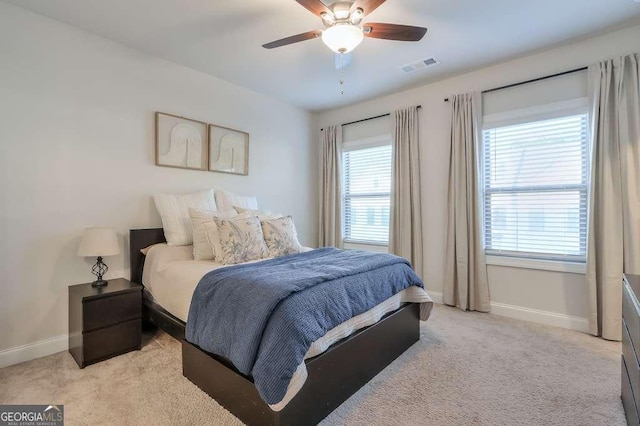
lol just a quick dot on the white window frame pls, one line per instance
(521, 116)
(355, 145)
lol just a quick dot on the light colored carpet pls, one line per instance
(467, 369)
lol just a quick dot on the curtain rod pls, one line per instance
(531, 81)
(370, 118)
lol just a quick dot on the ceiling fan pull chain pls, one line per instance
(342, 73)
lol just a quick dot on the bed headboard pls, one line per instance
(139, 239)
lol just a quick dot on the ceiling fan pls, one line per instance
(344, 29)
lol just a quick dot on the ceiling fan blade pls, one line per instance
(368, 5)
(293, 39)
(315, 6)
(393, 31)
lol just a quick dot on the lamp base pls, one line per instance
(99, 269)
(99, 283)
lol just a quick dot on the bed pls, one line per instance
(332, 376)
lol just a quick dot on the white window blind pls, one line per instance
(535, 177)
(366, 194)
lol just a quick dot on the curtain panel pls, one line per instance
(405, 220)
(330, 215)
(465, 277)
(613, 245)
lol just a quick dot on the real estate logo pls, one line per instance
(31, 415)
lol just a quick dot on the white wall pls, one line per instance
(561, 297)
(77, 150)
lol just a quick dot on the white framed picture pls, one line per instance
(181, 142)
(228, 150)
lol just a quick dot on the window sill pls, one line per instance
(380, 248)
(540, 264)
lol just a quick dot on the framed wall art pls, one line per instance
(181, 142)
(228, 150)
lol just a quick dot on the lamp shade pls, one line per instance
(342, 38)
(99, 242)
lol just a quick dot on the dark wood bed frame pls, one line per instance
(333, 376)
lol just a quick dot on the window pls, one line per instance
(535, 176)
(366, 188)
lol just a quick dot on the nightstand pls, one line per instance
(104, 321)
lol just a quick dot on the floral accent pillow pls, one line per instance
(281, 236)
(241, 240)
(213, 237)
(202, 249)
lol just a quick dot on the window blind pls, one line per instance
(535, 177)
(366, 194)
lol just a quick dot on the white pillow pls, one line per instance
(202, 250)
(240, 240)
(261, 214)
(281, 236)
(174, 212)
(226, 200)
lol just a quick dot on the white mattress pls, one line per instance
(171, 275)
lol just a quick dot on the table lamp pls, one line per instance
(99, 242)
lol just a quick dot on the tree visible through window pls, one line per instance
(366, 188)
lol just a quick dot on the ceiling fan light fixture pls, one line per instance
(342, 38)
(356, 16)
(327, 18)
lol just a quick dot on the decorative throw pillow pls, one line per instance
(281, 236)
(213, 236)
(174, 212)
(240, 240)
(202, 250)
(226, 200)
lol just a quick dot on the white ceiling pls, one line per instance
(224, 38)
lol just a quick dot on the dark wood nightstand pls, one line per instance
(105, 321)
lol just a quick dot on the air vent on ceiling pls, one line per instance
(420, 65)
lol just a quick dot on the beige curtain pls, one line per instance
(330, 219)
(465, 281)
(405, 222)
(614, 199)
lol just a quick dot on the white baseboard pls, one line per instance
(34, 350)
(542, 317)
(61, 343)
(435, 295)
(530, 314)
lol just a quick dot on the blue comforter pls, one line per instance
(264, 316)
